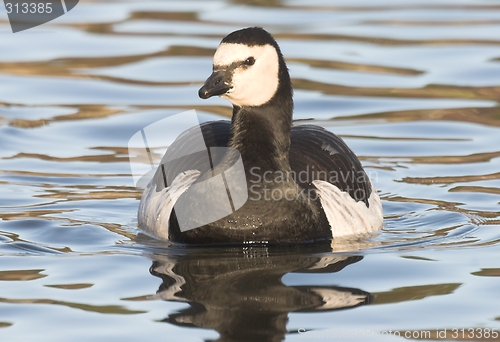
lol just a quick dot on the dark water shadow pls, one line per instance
(239, 291)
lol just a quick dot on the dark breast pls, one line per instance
(315, 154)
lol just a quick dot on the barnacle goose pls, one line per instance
(296, 184)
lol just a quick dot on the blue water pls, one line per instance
(412, 86)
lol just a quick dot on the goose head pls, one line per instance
(248, 70)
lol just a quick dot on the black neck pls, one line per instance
(262, 134)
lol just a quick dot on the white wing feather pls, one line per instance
(345, 215)
(155, 207)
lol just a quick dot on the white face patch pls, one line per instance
(252, 85)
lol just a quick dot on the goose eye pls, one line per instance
(249, 61)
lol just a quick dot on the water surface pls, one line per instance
(412, 86)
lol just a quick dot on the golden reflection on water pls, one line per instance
(82, 112)
(69, 67)
(105, 309)
(21, 275)
(403, 294)
(428, 92)
(71, 286)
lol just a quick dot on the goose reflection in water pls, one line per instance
(239, 292)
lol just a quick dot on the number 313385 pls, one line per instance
(26, 7)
